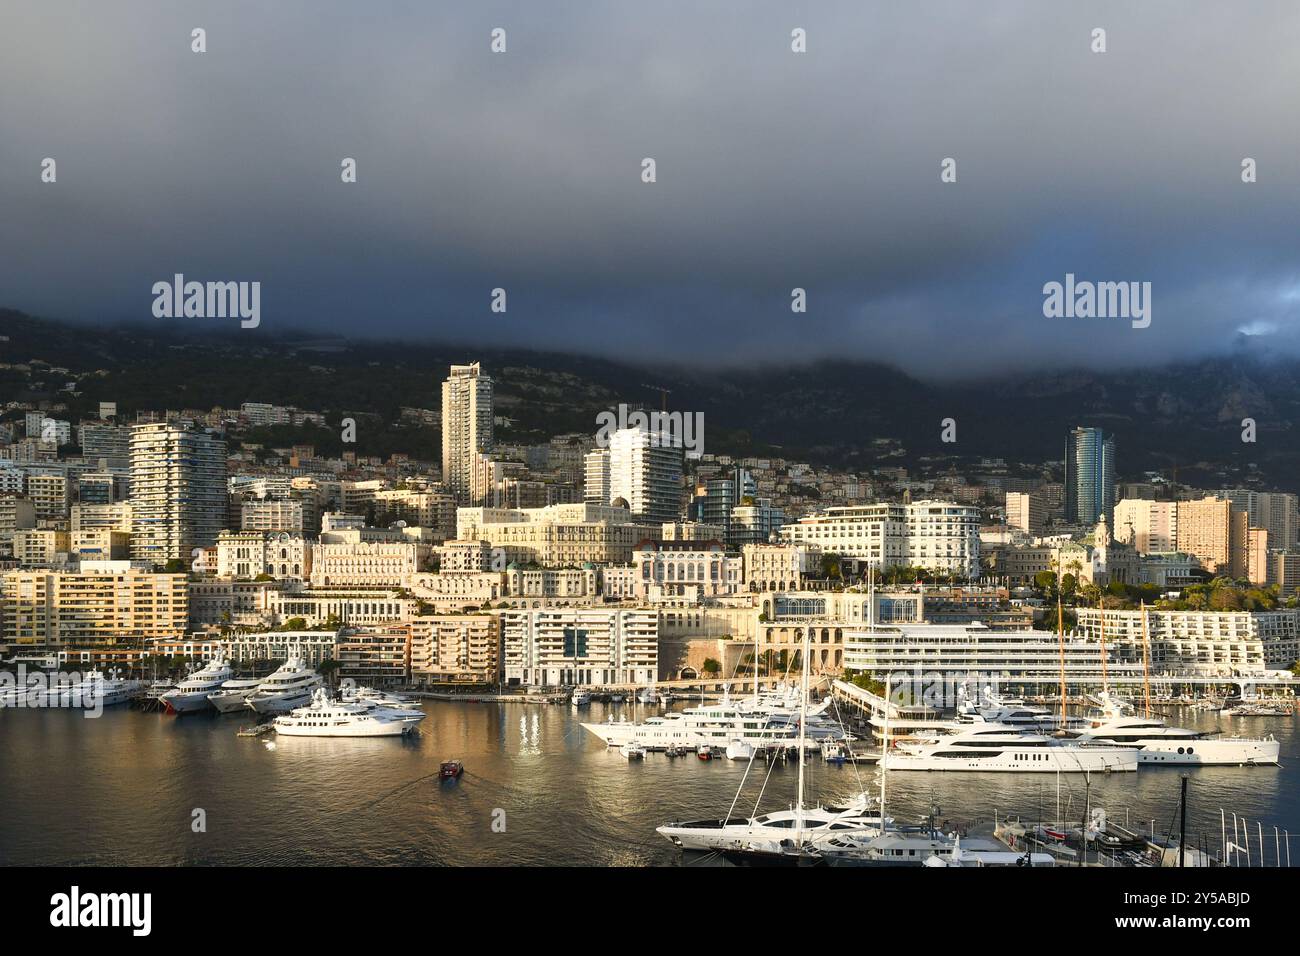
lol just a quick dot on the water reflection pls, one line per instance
(121, 789)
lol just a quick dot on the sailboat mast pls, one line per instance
(1101, 605)
(803, 720)
(884, 756)
(1060, 636)
(1146, 663)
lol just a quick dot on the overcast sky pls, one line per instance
(775, 170)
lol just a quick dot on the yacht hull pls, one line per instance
(280, 703)
(1209, 753)
(1070, 760)
(347, 730)
(187, 703)
(230, 701)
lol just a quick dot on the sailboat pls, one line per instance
(778, 838)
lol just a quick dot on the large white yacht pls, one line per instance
(329, 718)
(192, 693)
(233, 694)
(1012, 711)
(860, 816)
(1003, 748)
(289, 687)
(715, 725)
(383, 704)
(63, 690)
(98, 690)
(1117, 723)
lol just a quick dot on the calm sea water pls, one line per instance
(122, 790)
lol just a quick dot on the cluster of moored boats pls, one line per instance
(998, 734)
(296, 697)
(1007, 734)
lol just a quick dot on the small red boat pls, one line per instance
(451, 769)
(704, 752)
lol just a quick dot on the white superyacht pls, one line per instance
(233, 694)
(329, 718)
(289, 687)
(860, 816)
(1118, 723)
(1003, 748)
(191, 694)
(715, 725)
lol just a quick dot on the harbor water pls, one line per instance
(133, 788)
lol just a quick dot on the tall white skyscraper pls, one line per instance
(597, 477)
(466, 426)
(648, 477)
(178, 491)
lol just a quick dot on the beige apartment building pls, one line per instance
(16, 513)
(114, 517)
(1211, 529)
(455, 648)
(38, 547)
(103, 603)
(1026, 511)
(101, 544)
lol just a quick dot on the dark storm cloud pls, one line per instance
(775, 170)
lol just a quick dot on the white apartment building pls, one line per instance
(941, 536)
(315, 647)
(557, 536)
(1150, 526)
(277, 514)
(596, 472)
(1026, 511)
(645, 475)
(178, 491)
(685, 570)
(1200, 643)
(470, 556)
(466, 425)
(365, 564)
(341, 605)
(553, 647)
(779, 567)
(283, 555)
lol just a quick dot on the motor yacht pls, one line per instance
(292, 685)
(715, 725)
(324, 717)
(1117, 723)
(191, 694)
(861, 815)
(1003, 748)
(232, 695)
